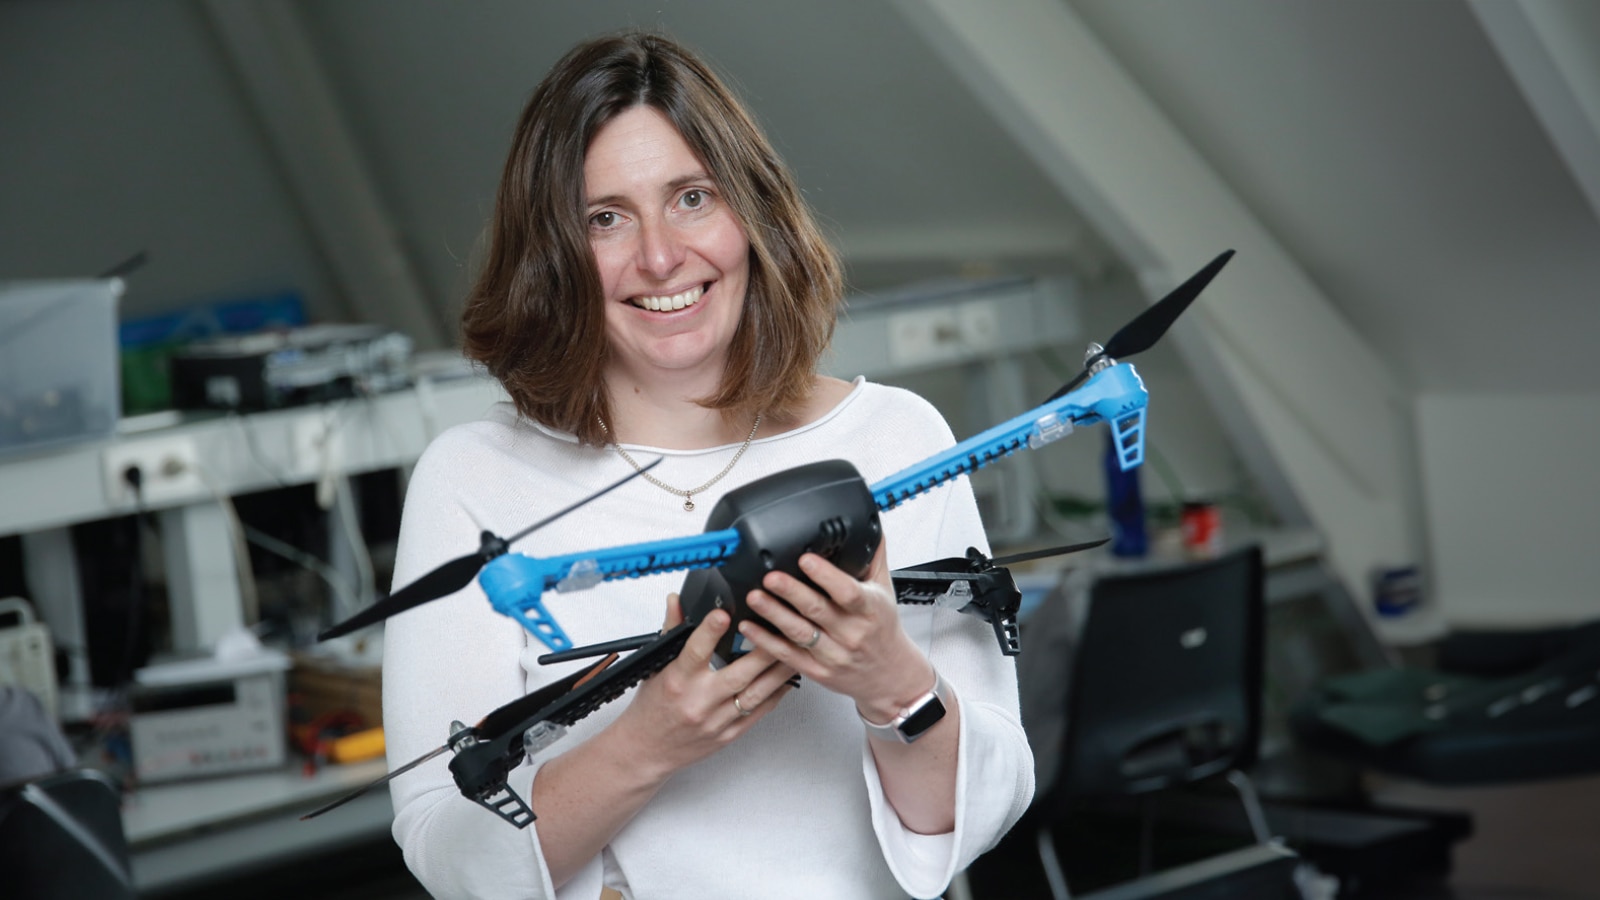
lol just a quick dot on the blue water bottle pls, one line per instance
(1125, 505)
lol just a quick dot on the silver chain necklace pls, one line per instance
(688, 496)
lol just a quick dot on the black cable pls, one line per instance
(134, 476)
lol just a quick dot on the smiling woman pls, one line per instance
(655, 287)
(536, 316)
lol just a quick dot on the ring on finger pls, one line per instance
(816, 635)
(740, 707)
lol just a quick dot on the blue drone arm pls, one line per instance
(516, 583)
(1115, 394)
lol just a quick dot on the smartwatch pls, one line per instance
(914, 721)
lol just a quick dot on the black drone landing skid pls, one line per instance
(497, 745)
(971, 584)
(976, 585)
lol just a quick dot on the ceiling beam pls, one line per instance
(1308, 403)
(1552, 50)
(326, 171)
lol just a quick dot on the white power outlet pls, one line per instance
(924, 337)
(169, 469)
(948, 334)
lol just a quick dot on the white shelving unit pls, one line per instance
(181, 832)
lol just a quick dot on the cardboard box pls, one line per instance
(320, 686)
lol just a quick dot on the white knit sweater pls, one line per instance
(792, 809)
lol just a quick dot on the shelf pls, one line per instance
(238, 453)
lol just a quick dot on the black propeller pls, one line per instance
(1146, 328)
(459, 572)
(1042, 554)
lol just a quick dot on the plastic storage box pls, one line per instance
(59, 381)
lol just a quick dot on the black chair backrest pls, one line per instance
(61, 837)
(1166, 684)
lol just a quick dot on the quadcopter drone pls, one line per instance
(823, 507)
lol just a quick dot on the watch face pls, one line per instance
(922, 718)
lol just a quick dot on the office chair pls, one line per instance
(61, 837)
(1165, 690)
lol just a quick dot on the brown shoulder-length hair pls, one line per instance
(535, 317)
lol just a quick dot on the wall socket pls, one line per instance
(948, 334)
(169, 466)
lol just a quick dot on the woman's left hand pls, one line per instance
(845, 637)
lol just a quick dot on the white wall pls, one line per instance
(1512, 495)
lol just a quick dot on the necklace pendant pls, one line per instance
(688, 505)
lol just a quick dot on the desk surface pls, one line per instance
(162, 811)
(186, 833)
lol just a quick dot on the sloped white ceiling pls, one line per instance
(1392, 153)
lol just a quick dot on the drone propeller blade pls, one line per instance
(381, 781)
(1148, 327)
(1042, 554)
(459, 572)
(441, 582)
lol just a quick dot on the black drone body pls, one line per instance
(824, 508)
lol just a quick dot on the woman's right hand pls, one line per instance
(689, 710)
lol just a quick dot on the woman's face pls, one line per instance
(673, 258)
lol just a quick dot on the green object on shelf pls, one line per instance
(146, 378)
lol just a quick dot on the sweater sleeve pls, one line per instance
(994, 766)
(454, 659)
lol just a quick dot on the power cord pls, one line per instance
(133, 476)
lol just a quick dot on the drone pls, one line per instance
(823, 507)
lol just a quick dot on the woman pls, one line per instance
(654, 286)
